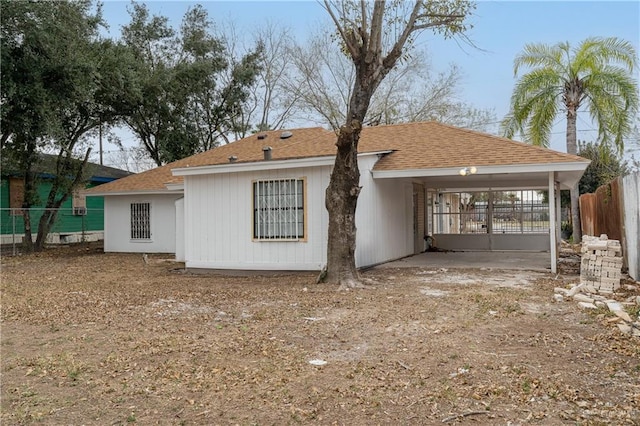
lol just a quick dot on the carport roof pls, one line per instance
(409, 147)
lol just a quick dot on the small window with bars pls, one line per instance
(278, 209)
(140, 221)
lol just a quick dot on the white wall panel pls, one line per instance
(383, 217)
(179, 206)
(497, 242)
(631, 212)
(117, 224)
(219, 223)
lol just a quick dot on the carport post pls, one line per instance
(552, 223)
(558, 217)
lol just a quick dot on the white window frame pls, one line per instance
(279, 209)
(140, 216)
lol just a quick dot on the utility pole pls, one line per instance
(100, 139)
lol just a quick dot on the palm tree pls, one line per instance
(597, 75)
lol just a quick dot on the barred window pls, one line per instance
(278, 209)
(140, 221)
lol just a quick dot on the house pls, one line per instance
(79, 219)
(258, 203)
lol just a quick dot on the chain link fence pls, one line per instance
(72, 225)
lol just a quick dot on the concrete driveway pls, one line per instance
(518, 260)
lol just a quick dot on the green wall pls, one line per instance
(65, 221)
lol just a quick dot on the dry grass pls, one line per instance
(93, 338)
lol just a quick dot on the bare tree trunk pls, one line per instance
(572, 148)
(27, 242)
(29, 158)
(341, 199)
(364, 45)
(344, 187)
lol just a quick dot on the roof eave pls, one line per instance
(578, 166)
(292, 163)
(135, 192)
(175, 186)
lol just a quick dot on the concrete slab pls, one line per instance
(517, 260)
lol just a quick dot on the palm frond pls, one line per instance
(612, 99)
(538, 55)
(596, 52)
(537, 93)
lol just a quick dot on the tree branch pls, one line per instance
(353, 51)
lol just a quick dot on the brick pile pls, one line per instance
(601, 264)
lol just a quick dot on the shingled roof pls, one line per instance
(414, 146)
(46, 165)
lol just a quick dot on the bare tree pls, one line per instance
(133, 159)
(375, 36)
(412, 91)
(270, 104)
(323, 81)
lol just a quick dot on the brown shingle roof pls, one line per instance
(435, 145)
(415, 145)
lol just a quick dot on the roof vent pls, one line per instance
(286, 134)
(267, 152)
(262, 136)
(232, 158)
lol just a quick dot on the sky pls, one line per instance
(500, 31)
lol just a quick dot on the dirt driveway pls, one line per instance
(107, 339)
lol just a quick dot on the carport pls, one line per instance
(495, 208)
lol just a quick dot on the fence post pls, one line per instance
(84, 236)
(13, 237)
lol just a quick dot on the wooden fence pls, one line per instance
(614, 210)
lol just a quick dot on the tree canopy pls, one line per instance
(606, 165)
(53, 79)
(187, 89)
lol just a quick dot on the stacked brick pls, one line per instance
(601, 264)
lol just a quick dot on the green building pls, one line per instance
(79, 218)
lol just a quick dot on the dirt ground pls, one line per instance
(109, 339)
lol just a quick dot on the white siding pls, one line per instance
(384, 217)
(117, 224)
(179, 203)
(219, 223)
(631, 209)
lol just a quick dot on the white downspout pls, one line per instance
(552, 223)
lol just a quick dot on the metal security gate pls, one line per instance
(490, 220)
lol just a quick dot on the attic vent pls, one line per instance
(286, 134)
(262, 136)
(232, 158)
